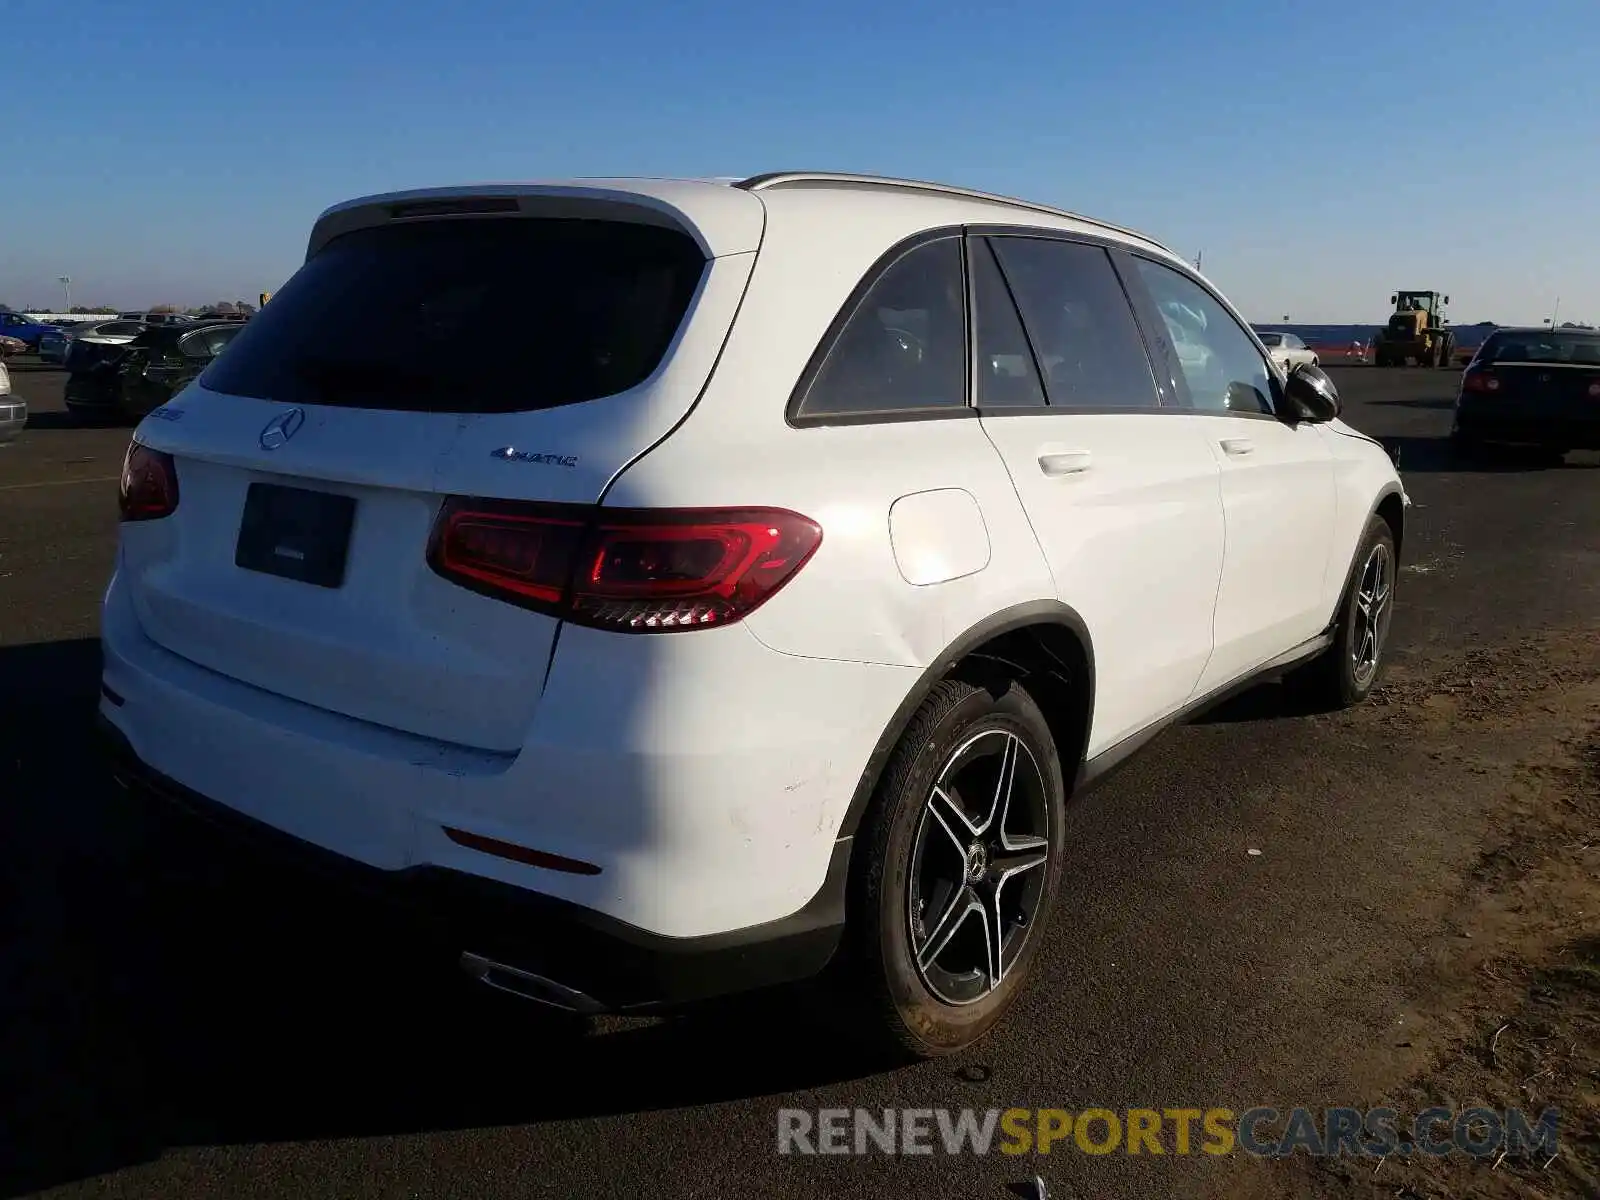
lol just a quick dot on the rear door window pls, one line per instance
(1006, 374)
(415, 317)
(1080, 324)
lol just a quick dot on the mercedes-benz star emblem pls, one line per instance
(282, 427)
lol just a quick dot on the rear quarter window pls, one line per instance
(481, 315)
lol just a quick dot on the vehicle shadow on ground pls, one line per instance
(1272, 700)
(1436, 455)
(55, 420)
(158, 991)
(1442, 402)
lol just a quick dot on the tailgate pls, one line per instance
(1550, 389)
(313, 457)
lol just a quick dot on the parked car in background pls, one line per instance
(10, 346)
(1287, 350)
(155, 318)
(22, 327)
(160, 362)
(704, 651)
(53, 346)
(13, 409)
(1534, 387)
(124, 378)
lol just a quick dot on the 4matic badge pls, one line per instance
(512, 454)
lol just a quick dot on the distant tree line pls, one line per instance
(220, 307)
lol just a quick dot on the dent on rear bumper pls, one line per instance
(705, 774)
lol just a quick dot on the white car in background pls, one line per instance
(1288, 351)
(13, 409)
(758, 618)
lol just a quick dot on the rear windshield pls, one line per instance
(1271, 339)
(481, 315)
(1542, 348)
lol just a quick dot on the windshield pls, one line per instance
(1535, 347)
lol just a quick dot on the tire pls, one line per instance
(1339, 677)
(909, 865)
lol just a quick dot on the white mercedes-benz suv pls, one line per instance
(748, 607)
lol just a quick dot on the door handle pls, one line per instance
(1064, 462)
(1237, 446)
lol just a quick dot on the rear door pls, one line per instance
(1121, 489)
(1279, 494)
(313, 456)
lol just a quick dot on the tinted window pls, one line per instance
(393, 316)
(904, 347)
(116, 328)
(217, 339)
(1079, 322)
(1006, 375)
(1272, 339)
(1221, 365)
(158, 337)
(1293, 342)
(196, 345)
(1536, 346)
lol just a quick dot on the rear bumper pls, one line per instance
(602, 964)
(13, 417)
(90, 394)
(1563, 431)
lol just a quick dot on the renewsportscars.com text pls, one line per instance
(1265, 1132)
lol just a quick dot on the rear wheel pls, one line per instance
(1345, 674)
(959, 863)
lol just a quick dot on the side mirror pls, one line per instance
(1310, 395)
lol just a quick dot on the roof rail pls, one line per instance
(758, 183)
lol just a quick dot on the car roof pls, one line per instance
(1526, 329)
(725, 216)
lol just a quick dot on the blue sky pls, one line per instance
(1320, 155)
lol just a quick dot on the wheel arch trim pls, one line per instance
(1384, 494)
(1007, 620)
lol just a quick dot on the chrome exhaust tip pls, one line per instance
(528, 986)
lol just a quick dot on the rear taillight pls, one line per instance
(149, 486)
(1479, 381)
(631, 570)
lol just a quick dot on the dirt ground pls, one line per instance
(1506, 998)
